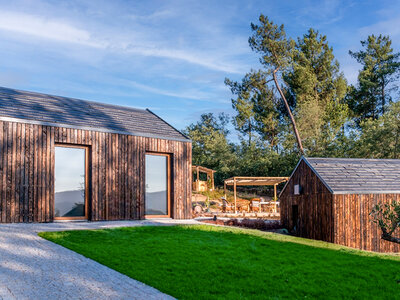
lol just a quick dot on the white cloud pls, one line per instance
(54, 30)
(44, 28)
(193, 94)
(389, 27)
(197, 59)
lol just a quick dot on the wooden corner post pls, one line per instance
(234, 192)
(275, 198)
(198, 179)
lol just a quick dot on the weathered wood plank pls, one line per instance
(2, 186)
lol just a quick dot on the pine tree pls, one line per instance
(270, 41)
(256, 107)
(380, 69)
(316, 88)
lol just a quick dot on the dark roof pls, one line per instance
(357, 176)
(59, 111)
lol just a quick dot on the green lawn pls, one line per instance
(203, 262)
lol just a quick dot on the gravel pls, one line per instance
(34, 268)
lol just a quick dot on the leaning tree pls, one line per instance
(270, 41)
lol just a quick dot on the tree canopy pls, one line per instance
(377, 79)
(298, 100)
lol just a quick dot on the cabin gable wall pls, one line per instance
(314, 205)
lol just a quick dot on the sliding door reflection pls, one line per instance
(157, 185)
(70, 182)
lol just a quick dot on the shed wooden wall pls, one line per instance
(117, 172)
(314, 205)
(354, 226)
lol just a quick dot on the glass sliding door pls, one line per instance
(157, 185)
(70, 183)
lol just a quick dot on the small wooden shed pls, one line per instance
(203, 185)
(330, 199)
(64, 158)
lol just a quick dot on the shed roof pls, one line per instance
(356, 175)
(37, 108)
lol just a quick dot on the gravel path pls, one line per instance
(34, 268)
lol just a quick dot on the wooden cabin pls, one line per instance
(331, 199)
(64, 158)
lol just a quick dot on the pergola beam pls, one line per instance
(203, 169)
(254, 181)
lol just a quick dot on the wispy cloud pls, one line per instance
(45, 28)
(55, 30)
(193, 94)
(389, 27)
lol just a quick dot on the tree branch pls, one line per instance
(388, 237)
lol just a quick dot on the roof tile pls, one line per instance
(358, 176)
(60, 111)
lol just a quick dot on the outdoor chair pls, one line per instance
(255, 205)
(226, 206)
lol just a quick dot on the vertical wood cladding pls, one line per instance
(354, 226)
(116, 172)
(315, 220)
(341, 219)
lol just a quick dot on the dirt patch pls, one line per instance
(265, 225)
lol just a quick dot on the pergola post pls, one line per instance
(212, 180)
(225, 190)
(275, 198)
(234, 192)
(198, 179)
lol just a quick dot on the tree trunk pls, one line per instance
(296, 132)
(250, 132)
(388, 237)
(383, 96)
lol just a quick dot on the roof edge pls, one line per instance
(291, 175)
(303, 158)
(89, 102)
(319, 176)
(168, 124)
(365, 192)
(62, 125)
(356, 158)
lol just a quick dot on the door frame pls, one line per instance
(87, 178)
(168, 155)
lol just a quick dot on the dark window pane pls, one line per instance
(156, 185)
(69, 182)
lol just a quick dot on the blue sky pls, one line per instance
(169, 56)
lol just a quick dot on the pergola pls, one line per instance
(254, 181)
(209, 172)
